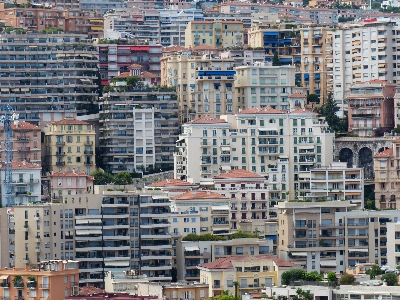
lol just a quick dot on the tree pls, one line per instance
(370, 204)
(329, 110)
(313, 98)
(292, 275)
(390, 278)
(332, 277)
(311, 276)
(224, 296)
(203, 237)
(236, 285)
(123, 178)
(275, 60)
(347, 279)
(102, 178)
(240, 234)
(374, 271)
(303, 295)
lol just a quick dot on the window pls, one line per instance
(229, 283)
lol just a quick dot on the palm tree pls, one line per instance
(236, 285)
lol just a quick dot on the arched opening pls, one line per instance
(365, 161)
(346, 155)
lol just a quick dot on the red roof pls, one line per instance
(297, 95)
(23, 165)
(303, 111)
(146, 74)
(174, 49)
(207, 120)
(23, 126)
(123, 75)
(387, 152)
(135, 66)
(69, 121)
(68, 174)
(199, 195)
(239, 173)
(172, 183)
(264, 110)
(226, 262)
(203, 47)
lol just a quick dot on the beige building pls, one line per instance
(393, 244)
(123, 281)
(218, 33)
(251, 272)
(262, 85)
(304, 47)
(386, 168)
(336, 182)
(70, 144)
(204, 82)
(266, 141)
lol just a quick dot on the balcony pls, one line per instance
(60, 153)
(31, 284)
(60, 143)
(88, 143)
(60, 163)
(19, 284)
(88, 152)
(88, 163)
(5, 284)
(44, 286)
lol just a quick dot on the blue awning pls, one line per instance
(297, 59)
(316, 76)
(306, 76)
(268, 41)
(317, 92)
(268, 59)
(192, 85)
(217, 84)
(184, 84)
(271, 33)
(229, 85)
(270, 237)
(298, 76)
(217, 73)
(285, 60)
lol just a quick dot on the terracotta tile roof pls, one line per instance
(396, 140)
(199, 195)
(68, 173)
(203, 47)
(22, 125)
(172, 183)
(226, 262)
(69, 121)
(123, 75)
(135, 66)
(206, 120)
(23, 165)
(385, 153)
(174, 48)
(297, 95)
(303, 111)
(147, 74)
(90, 290)
(239, 173)
(264, 110)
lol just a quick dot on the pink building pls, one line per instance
(371, 106)
(148, 78)
(26, 142)
(70, 183)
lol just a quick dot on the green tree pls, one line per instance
(102, 178)
(313, 98)
(224, 296)
(370, 204)
(347, 279)
(329, 110)
(240, 234)
(390, 278)
(236, 285)
(203, 237)
(292, 275)
(374, 271)
(123, 178)
(332, 277)
(311, 276)
(303, 295)
(275, 60)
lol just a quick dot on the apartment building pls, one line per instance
(217, 33)
(221, 274)
(116, 58)
(186, 290)
(54, 279)
(64, 183)
(311, 234)
(7, 254)
(262, 85)
(265, 141)
(200, 212)
(203, 82)
(123, 281)
(86, 5)
(26, 185)
(371, 106)
(396, 108)
(173, 186)
(139, 128)
(386, 164)
(336, 182)
(393, 244)
(46, 77)
(70, 144)
(25, 142)
(191, 254)
(302, 46)
(364, 50)
(244, 57)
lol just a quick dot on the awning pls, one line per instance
(306, 146)
(299, 253)
(15, 90)
(4, 277)
(5, 89)
(94, 221)
(358, 250)
(304, 175)
(96, 28)
(220, 207)
(87, 232)
(328, 263)
(353, 194)
(329, 36)
(117, 263)
(85, 80)
(81, 222)
(224, 148)
(283, 156)
(229, 85)
(60, 55)
(226, 168)
(96, 20)
(381, 65)
(192, 85)
(192, 248)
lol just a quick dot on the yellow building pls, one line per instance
(251, 272)
(70, 144)
(218, 33)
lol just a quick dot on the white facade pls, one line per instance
(262, 85)
(393, 244)
(26, 185)
(265, 141)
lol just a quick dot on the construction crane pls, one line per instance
(8, 149)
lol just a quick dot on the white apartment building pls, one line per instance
(335, 182)
(26, 185)
(261, 85)
(362, 53)
(393, 244)
(265, 141)
(244, 57)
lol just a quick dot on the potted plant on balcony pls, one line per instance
(31, 281)
(17, 280)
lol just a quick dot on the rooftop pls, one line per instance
(264, 110)
(23, 165)
(70, 121)
(297, 95)
(206, 120)
(172, 183)
(22, 125)
(68, 173)
(387, 152)
(227, 262)
(239, 173)
(199, 195)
